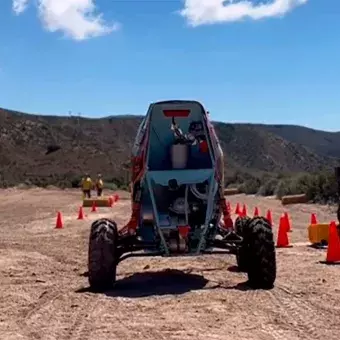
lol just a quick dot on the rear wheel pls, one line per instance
(241, 224)
(102, 254)
(261, 263)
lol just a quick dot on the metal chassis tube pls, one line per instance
(155, 211)
(130, 246)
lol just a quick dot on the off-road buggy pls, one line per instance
(178, 204)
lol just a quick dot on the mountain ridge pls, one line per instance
(103, 145)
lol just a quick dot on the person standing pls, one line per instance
(86, 185)
(99, 185)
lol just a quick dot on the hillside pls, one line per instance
(322, 142)
(103, 145)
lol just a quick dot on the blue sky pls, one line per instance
(279, 63)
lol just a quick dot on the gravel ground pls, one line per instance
(44, 295)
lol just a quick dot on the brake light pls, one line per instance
(183, 230)
(203, 146)
(176, 113)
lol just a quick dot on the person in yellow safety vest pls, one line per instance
(99, 185)
(86, 185)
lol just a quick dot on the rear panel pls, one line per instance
(190, 117)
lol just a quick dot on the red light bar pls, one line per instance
(183, 230)
(176, 113)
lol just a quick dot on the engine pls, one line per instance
(186, 214)
(189, 207)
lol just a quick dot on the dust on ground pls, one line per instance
(43, 289)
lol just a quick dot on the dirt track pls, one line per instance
(43, 291)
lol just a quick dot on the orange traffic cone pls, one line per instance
(59, 222)
(237, 209)
(269, 217)
(81, 213)
(313, 219)
(333, 250)
(256, 211)
(94, 207)
(244, 210)
(286, 216)
(282, 237)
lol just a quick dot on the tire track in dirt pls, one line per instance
(321, 318)
(299, 315)
(81, 327)
(308, 316)
(51, 252)
(44, 300)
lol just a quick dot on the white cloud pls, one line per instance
(19, 6)
(200, 12)
(77, 19)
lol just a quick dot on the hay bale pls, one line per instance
(294, 199)
(100, 202)
(231, 191)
